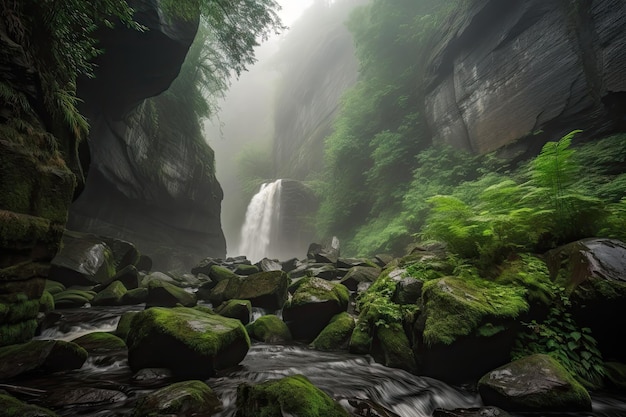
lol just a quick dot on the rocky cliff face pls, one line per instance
(526, 71)
(159, 193)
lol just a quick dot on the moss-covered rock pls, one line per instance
(392, 348)
(164, 294)
(269, 329)
(359, 274)
(236, 309)
(73, 298)
(219, 273)
(11, 313)
(267, 290)
(245, 269)
(40, 356)
(534, 383)
(12, 407)
(100, 342)
(336, 335)
(21, 332)
(456, 307)
(226, 289)
(112, 295)
(314, 303)
(293, 395)
(360, 340)
(54, 287)
(190, 342)
(185, 398)
(135, 296)
(123, 326)
(46, 302)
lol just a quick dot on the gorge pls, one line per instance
(468, 155)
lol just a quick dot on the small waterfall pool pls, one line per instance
(345, 377)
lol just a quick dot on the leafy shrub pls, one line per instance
(562, 338)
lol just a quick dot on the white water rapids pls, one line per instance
(260, 228)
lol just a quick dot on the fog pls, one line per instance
(302, 72)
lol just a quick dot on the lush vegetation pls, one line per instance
(60, 38)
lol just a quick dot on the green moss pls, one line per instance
(100, 342)
(54, 287)
(219, 273)
(123, 326)
(21, 332)
(293, 394)
(269, 329)
(111, 295)
(395, 349)
(336, 334)
(531, 273)
(186, 325)
(361, 340)
(183, 398)
(161, 293)
(73, 298)
(457, 307)
(319, 289)
(243, 269)
(17, 312)
(12, 407)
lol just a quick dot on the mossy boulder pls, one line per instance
(358, 274)
(245, 269)
(466, 327)
(224, 290)
(40, 356)
(269, 329)
(136, 296)
(100, 342)
(124, 253)
(267, 290)
(190, 342)
(187, 398)
(219, 273)
(83, 259)
(392, 348)
(164, 294)
(112, 295)
(54, 287)
(292, 395)
(336, 335)
(46, 302)
(129, 276)
(73, 298)
(314, 303)
(593, 272)
(123, 326)
(536, 383)
(360, 340)
(236, 309)
(12, 407)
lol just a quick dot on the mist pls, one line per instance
(281, 109)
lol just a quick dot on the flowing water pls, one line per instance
(350, 379)
(260, 226)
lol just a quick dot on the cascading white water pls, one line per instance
(260, 227)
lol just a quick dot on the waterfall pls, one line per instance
(260, 228)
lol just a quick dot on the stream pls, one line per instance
(346, 377)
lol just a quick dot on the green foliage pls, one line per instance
(254, 167)
(562, 338)
(531, 273)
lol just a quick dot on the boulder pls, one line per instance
(129, 276)
(84, 259)
(593, 272)
(327, 272)
(73, 298)
(224, 290)
(314, 303)
(244, 269)
(164, 294)
(185, 398)
(358, 274)
(100, 342)
(236, 309)
(111, 295)
(123, 326)
(392, 348)
(204, 267)
(136, 296)
(219, 273)
(269, 329)
(536, 383)
(267, 290)
(336, 334)
(40, 356)
(408, 291)
(189, 342)
(124, 253)
(267, 265)
(293, 395)
(21, 409)
(466, 327)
